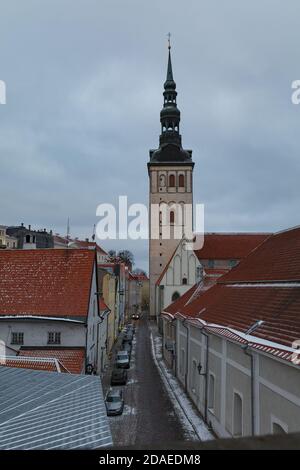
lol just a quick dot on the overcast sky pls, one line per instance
(84, 90)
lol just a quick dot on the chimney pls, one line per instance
(29, 227)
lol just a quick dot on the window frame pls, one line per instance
(19, 337)
(56, 337)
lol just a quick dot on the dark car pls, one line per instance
(127, 347)
(127, 339)
(130, 329)
(114, 402)
(118, 377)
(122, 360)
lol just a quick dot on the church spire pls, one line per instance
(170, 148)
(169, 70)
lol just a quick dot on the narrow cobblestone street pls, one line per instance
(149, 415)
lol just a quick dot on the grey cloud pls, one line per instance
(84, 82)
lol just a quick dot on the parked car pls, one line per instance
(127, 347)
(127, 338)
(114, 402)
(118, 377)
(122, 360)
(130, 328)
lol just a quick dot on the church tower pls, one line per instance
(170, 170)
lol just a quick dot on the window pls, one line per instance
(172, 217)
(181, 181)
(53, 337)
(172, 181)
(211, 392)
(175, 296)
(27, 238)
(17, 338)
(232, 263)
(211, 263)
(237, 415)
(184, 281)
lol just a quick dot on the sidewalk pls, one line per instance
(187, 413)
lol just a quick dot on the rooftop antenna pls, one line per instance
(94, 230)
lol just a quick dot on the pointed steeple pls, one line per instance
(169, 83)
(170, 148)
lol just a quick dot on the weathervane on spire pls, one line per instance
(169, 40)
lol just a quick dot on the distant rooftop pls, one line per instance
(48, 410)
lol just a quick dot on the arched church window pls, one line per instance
(175, 296)
(172, 217)
(172, 181)
(184, 281)
(181, 181)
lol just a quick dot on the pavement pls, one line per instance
(149, 415)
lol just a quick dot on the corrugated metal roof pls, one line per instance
(48, 410)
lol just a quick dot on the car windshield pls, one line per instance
(113, 399)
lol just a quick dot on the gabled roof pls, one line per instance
(48, 282)
(220, 246)
(48, 410)
(229, 245)
(260, 298)
(277, 259)
(189, 296)
(71, 359)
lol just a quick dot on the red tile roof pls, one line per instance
(229, 245)
(220, 246)
(277, 259)
(50, 282)
(70, 359)
(190, 296)
(259, 298)
(48, 365)
(178, 304)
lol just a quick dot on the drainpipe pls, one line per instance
(248, 353)
(187, 356)
(205, 374)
